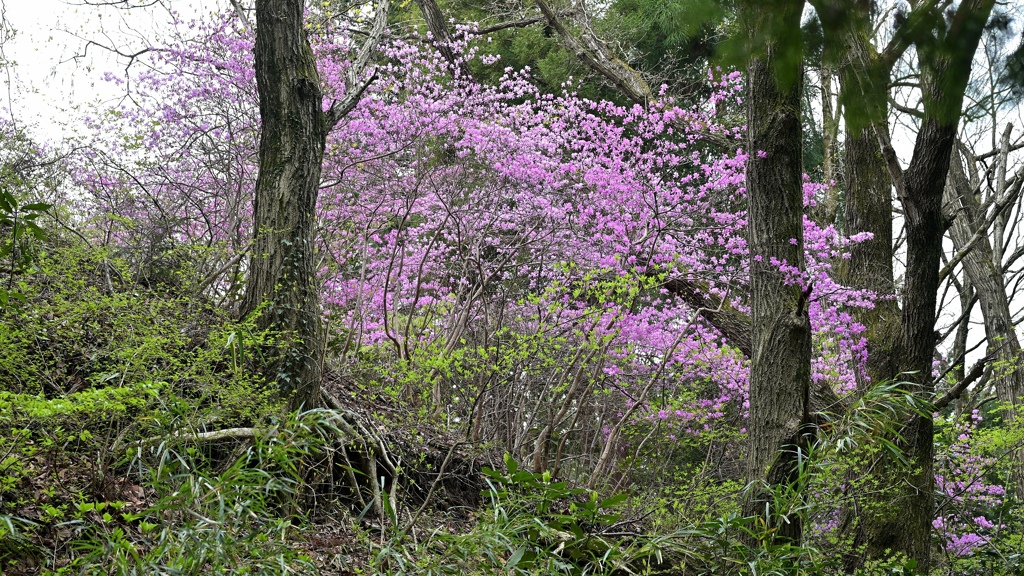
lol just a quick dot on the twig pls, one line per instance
(433, 486)
(213, 436)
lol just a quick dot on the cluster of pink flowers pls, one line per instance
(961, 477)
(450, 208)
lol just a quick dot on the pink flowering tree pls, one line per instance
(488, 254)
(967, 516)
(172, 167)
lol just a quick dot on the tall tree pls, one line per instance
(282, 286)
(864, 72)
(972, 224)
(945, 40)
(780, 365)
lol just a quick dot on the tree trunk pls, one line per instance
(282, 286)
(945, 69)
(864, 81)
(869, 209)
(945, 44)
(864, 93)
(828, 208)
(780, 366)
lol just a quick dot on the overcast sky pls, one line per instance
(54, 71)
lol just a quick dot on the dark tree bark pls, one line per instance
(864, 80)
(945, 46)
(282, 286)
(945, 62)
(294, 131)
(945, 69)
(780, 365)
(864, 73)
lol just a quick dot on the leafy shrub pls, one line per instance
(239, 520)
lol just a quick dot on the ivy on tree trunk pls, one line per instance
(282, 277)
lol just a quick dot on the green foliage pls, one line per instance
(537, 526)
(15, 249)
(677, 39)
(93, 362)
(83, 333)
(534, 525)
(98, 404)
(14, 543)
(236, 521)
(555, 528)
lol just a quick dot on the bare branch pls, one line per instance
(982, 232)
(976, 372)
(354, 86)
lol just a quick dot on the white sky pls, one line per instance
(46, 82)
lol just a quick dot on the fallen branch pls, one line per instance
(212, 436)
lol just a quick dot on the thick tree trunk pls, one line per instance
(780, 365)
(869, 209)
(282, 285)
(908, 527)
(864, 79)
(945, 69)
(903, 524)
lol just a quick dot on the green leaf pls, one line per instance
(515, 558)
(613, 500)
(37, 207)
(7, 202)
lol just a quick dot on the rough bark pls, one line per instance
(945, 47)
(864, 90)
(945, 67)
(780, 365)
(294, 130)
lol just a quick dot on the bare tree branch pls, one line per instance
(354, 86)
(954, 393)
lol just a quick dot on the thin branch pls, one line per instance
(892, 162)
(430, 493)
(240, 12)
